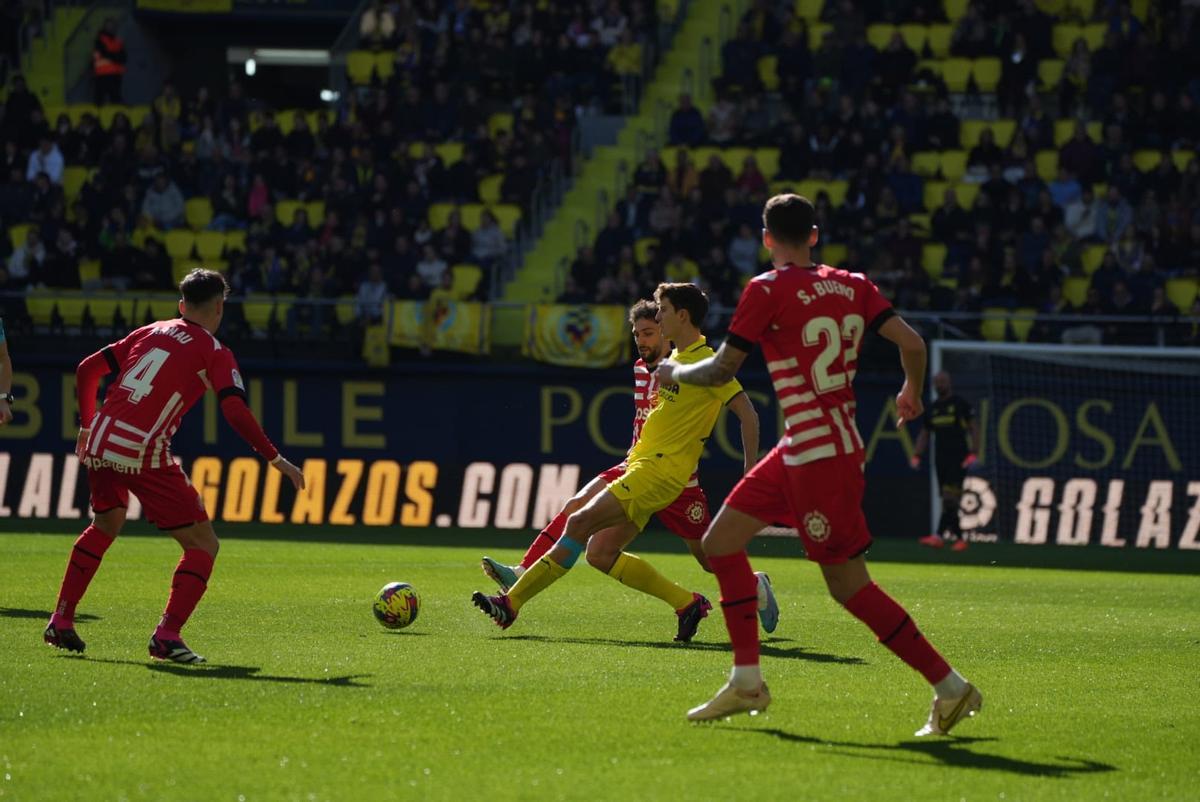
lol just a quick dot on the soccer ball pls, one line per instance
(396, 605)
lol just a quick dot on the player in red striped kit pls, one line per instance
(159, 371)
(687, 517)
(809, 320)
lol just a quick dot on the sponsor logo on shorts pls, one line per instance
(695, 512)
(817, 526)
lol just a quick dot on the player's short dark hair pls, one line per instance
(685, 296)
(643, 310)
(201, 286)
(789, 218)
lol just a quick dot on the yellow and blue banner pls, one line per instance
(187, 6)
(576, 336)
(440, 324)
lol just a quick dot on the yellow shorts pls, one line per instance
(644, 489)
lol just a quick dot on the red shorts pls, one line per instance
(167, 497)
(823, 500)
(688, 514)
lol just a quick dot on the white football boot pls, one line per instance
(728, 701)
(948, 712)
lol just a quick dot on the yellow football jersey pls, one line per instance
(682, 419)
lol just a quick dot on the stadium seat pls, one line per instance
(1100, 188)
(767, 72)
(199, 213)
(994, 326)
(104, 308)
(955, 8)
(286, 119)
(466, 280)
(1022, 321)
(986, 72)
(181, 267)
(1182, 293)
(1093, 34)
(439, 215)
(179, 243)
(953, 164)
(880, 35)
(735, 158)
(768, 161)
(914, 36)
(449, 152)
(471, 215)
(489, 188)
(285, 211)
(1091, 257)
(159, 307)
(235, 240)
(816, 34)
(109, 113)
(919, 222)
(18, 233)
(345, 311)
(71, 308)
(939, 40)
(40, 307)
(927, 163)
(73, 180)
(76, 111)
(933, 259)
(1074, 289)
(1084, 9)
(141, 234)
(642, 248)
(139, 113)
(834, 253)
(1064, 38)
(1182, 159)
(1047, 164)
(1003, 130)
(1147, 160)
(209, 245)
(1050, 72)
(1065, 129)
(809, 9)
(935, 191)
(501, 121)
(508, 215)
(836, 189)
(957, 74)
(967, 193)
(359, 66)
(258, 310)
(89, 271)
(385, 65)
(316, 213)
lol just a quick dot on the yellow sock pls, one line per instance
(631, 570)
(541, 575)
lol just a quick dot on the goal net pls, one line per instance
(1079, 445)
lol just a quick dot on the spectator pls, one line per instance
(488, 242)
(26, 260)
(1082, 217)
(377, 26)
(687, 124)
(108, 64)
(164, 204)
(1113, 216)
(432, 267)
(743, 251)
(1065, 189)
(46, 159)
(371, 295)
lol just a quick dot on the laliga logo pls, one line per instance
(817, 526)
(978, 504)
(695, 512)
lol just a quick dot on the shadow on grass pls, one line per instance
(768, 648)
(210, 671)
(945, 751)
(44, 615)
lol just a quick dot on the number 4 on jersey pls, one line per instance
(139, 380)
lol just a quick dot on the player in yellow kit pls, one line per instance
(659, 466)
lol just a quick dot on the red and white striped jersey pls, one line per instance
(645, 398)
(161, 369)
(810, 322)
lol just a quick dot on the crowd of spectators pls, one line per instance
(849, 112)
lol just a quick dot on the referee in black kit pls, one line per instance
(952, 423)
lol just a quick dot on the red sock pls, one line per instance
(896, 630)
(187, 587)
(739, 604)
(545, 540)
(81, 567)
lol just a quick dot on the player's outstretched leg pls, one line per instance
(188, 585)
(954, 698)
(86, 555)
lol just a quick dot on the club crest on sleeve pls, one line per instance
(695, 512)
(817, 526)
(237, 380)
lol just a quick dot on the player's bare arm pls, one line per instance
(743, 407)
(912, 358)
(714, 372)
(6, 374)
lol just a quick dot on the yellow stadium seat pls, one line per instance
(159, 307)
(40, 308)
(955, 8)
(316, 213)
(880, 35)
(501, 121)
(927, 163)
(935, 192)
(957, 74)
(199, 213)
(1086, 9)
(286, 119)
(71, 308)
(137, 114)
(768, 161)
(836, 189)
(933, 259)
(209, 245)
(489, 188)
(1091, 258)
(816, 34)
(1094, 34)
(994, 326)
(735, 158)
(103, 308)
(967, 193)
(1047, 164)
(767, 72)
(109, 113)
(89, 270)
(920, 222)
(1050, 72)
(508, 216)
(1182, 292)
(285, 211)
(1065, 129)
(833, 253)
(344, 310)
(235, 241)
(141, 234)
(51, 112)
(385, 65)
(179, 243)
(258, 310)
(954, 164)
(181, 267)
(359, 66)
(471, 215)
(466, 280)
(1074, 289)
(914, 37)
(1100, 188)
(76, 111)
(939, 40)
(1147, 160)
(642, 249)
(1022, 321)
(17, 234)
(1064, 37)
(1182, 159)
(73, 180)
(439, 215)
(986, 72)
(449, 152)
(809, 9)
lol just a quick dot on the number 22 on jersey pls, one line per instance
(826, 331)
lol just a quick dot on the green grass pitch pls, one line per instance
(1089, 677)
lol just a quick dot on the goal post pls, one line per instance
(1080, 445)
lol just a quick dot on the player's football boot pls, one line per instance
(948, 712)
(690, 616)
(63, 639)
(501, 574)
(932, 541)
(959, 545)
(496, 607)
(176, 651)
(768, 608)
(728, 701)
